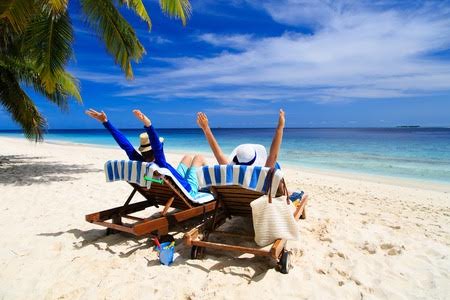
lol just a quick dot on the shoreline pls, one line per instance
(359, 175)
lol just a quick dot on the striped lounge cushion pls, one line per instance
(134, 172)
(249, 177)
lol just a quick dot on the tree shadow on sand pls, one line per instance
(26, 170)
(100, 240)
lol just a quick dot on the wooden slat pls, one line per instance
(190, 236)
(234, 234)
(179, 204)
(301, 208)
(177, 191)
(237, 190)
(123, 228)
(107, 214)
(220, 246)
(160, 197)
(158, 193)
(193, 212)
(233, 202)
(132, 218)
(277, 248)
(147, 226)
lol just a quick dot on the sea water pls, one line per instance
(420, 153)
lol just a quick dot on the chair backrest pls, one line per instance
(236, 199)
(236, 186)
(136, 172)
(161, 193)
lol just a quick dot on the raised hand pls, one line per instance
(99, 116)
(202, 120)
(281, 119)
(141, 117)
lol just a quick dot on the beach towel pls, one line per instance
(249, 177)
(135, 172)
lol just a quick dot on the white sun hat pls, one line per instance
(145, 142)
(248, 154)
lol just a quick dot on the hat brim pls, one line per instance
(261, 154)
(148, 148)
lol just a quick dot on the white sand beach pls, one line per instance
(364, 237)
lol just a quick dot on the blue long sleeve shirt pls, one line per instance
(157, 147)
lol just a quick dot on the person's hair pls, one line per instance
(148, 156)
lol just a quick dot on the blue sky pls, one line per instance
(327, 63)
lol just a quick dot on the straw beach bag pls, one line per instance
(273, 217)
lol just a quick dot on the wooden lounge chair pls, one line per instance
(159, 189)
(234, 188)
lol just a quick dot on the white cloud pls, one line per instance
(99, 77)
(157, 39)
(355, 52)
(229, 41)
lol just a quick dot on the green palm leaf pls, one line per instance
(17, 13)
(179, 9)
(66, 87)
(24, 71)
(49, 40)
(56, 6)
(138, 7)
(119, 37)
(20, 106)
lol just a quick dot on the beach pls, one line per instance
(365, 237)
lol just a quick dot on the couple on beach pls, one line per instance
(151, 149)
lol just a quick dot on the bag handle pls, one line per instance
(269, 179)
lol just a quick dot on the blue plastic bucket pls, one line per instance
(166, 253)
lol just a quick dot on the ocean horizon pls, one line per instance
(416, 153)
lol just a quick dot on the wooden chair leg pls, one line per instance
(117, 219)
(168, 204)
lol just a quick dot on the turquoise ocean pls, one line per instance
(418, 153)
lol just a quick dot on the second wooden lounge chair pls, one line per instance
(234, 188)
(160, 189)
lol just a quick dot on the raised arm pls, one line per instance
(202, 121)
(157, 147)
(121, 140)
(276, 142)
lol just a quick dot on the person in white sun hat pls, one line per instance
(245, 154)
(151, 150)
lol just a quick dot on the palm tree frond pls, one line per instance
(17, 13)
(24, 71)
(179, 9)
(119, 37)
(138, 7)
(49, 39)
(21, 107)
(68, 85)
(55, 6)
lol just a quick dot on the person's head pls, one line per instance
(148, 156)
(146, 148)
(249, 154)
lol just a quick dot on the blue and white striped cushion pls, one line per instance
(134, 172)
(249, 177)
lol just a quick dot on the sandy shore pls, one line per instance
(363, 238)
